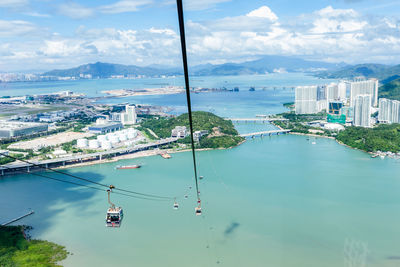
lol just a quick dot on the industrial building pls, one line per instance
(105, 127)
(15, 129)
(179, 131)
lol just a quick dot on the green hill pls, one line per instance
(221, 133)
(382, 138)
(15, 250)
(384, 73)
(390, 90)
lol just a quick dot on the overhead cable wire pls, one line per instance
(83, 185)
(186, 74)
(85, 179)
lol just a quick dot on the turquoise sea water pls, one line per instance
(273, 201)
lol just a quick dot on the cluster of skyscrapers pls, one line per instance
(346, 101)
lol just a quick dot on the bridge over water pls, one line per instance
(255, 119)
(265, 133)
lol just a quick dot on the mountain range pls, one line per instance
(385, 73)
(263, 65)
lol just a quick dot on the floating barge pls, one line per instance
(128, 167)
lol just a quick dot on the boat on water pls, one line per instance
(128, 167)
(166, 155)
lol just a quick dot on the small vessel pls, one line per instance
(252, 89)
(374, 155)
(201, 177)
(165, 155)
(313, 143)
(128, 167)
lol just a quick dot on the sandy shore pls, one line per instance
(313, 135)
(140, 154)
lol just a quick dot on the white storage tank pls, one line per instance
(101, 138)
(83, 142)
(122, 137)
(94, 144)
(132, 134)
(114, 139)
(106, 145)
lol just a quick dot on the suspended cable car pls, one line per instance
(176, 205)
(197, 210)
(114, 214)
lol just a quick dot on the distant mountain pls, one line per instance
(259, 66)
(385, 73)
(106, 70)
(390, 90)
(267, 64)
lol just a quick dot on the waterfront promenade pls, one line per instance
(23, 167)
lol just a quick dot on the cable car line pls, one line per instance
(87, 180)
(87, 186)
(186, 74)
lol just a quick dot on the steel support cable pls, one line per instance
(186, 74)
(85, 179)
(87, 186)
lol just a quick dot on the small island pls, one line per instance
(210, 131)
(17, 250)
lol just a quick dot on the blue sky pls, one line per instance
(47, 34)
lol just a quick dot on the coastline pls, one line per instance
(140, 154)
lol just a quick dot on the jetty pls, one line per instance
(18, 218)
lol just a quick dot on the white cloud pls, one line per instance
(13, 28)
(202, 4)
(326, 34)
(124, 6)
(38, 15)
(13, 3)
(263, 12)
(75, 11)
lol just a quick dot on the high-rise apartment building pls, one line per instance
(389, 111)
(362, 110)
(364, 87)
(129, 117)
(306, 100)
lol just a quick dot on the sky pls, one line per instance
(38, 35)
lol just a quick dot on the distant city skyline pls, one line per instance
(44, 35)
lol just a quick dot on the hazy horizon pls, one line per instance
(44, 35)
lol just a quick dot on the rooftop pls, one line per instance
(15, 125)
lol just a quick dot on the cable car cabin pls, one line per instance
(114, 217)
(197, 211)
